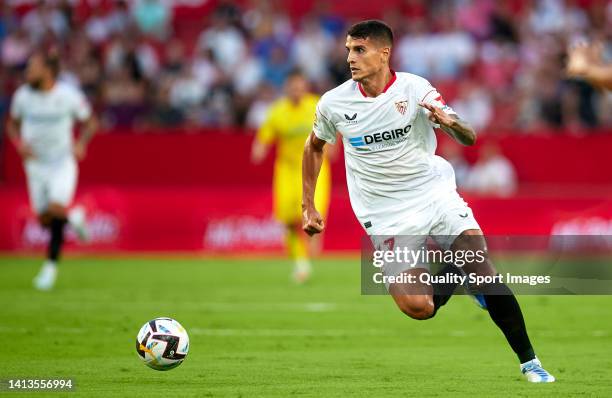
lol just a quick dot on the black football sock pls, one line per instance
(506, 313)
(444, 291)
(57, 238)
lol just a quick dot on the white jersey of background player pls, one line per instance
(42, 116)
(47, 120)
(399, 187)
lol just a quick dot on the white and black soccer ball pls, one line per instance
(162, 343)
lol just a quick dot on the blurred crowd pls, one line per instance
(500, 64)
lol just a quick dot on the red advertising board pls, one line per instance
(199, 192)
(240, 220)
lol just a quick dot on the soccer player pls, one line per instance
(40, 126)
(288, 124)
(397, 186)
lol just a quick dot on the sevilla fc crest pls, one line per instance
(401, 106)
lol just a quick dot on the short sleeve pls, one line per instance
(17, 105)
(428, 94)
(323, 127)
(80, 106)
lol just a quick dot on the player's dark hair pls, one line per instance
(295, 72)
(373, 29)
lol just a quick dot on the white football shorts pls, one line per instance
(51, 182)
(442, 217)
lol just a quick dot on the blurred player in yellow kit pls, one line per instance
(288, 124)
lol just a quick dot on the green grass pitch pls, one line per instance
(254, 333)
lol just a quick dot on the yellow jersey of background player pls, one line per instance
(287, 125)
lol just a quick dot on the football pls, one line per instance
(162, 343)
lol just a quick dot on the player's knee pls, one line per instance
(57, 211)
(419, 308)
(44, 219)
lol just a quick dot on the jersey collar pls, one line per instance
(391, 81)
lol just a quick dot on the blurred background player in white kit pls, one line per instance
(40, 125)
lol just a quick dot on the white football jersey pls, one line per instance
(389, 146)
(47, 118)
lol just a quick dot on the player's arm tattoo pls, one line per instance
(460, 130)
